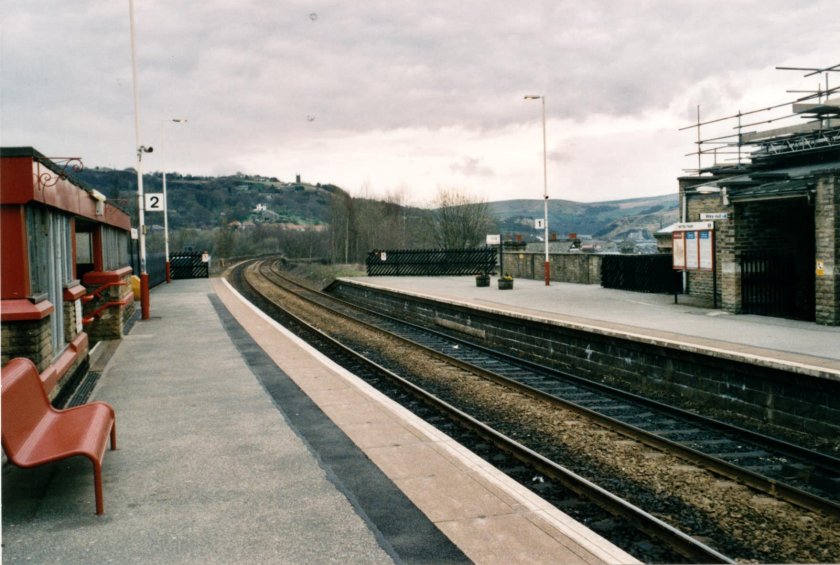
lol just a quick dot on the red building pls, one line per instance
(64, 267)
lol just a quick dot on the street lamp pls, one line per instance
(545, 189)
(144, 275)
(165, 202)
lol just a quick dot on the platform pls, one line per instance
(688, 323)
(239, 443)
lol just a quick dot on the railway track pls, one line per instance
(731, 452)
(801, 476)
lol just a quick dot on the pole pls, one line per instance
(144, 275)
(545, 198)
(165, 201)
(165, 207)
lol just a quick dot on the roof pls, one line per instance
(790, 188)
(754, 183)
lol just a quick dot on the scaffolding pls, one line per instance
(751, 145)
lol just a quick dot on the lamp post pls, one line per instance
(165, 201)
(144, 275)
(545, 189)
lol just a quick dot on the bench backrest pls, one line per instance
(24, 403)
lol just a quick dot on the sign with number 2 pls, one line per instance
(154, 202)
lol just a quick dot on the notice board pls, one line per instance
(693, 248)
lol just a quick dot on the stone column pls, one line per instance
(827, 242)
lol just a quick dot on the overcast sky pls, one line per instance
(406, 97)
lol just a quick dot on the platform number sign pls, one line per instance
(154, 202)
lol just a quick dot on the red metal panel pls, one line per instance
(98, 256)
(74, 292)
(116, 217)
(17, 180)
(22, 310)
(102, 277)
(59, 192)
(14, 258)
(24, 179)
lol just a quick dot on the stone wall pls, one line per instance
(701, 283)
(31, 339)
(827, 241)
(750, 394)
(581, 268)
(111, 322)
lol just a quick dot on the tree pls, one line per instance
(459, 220)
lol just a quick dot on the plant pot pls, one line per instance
(482, 280)
(505, 285)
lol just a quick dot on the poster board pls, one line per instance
(693, 246)
(679, 250)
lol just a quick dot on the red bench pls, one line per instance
(35, 433)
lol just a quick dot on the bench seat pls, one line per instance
(35, 433)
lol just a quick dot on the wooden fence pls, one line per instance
(431, 262)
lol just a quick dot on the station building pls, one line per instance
(64, 267)
(776, 218)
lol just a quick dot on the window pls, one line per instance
(84, 247)
(114, 248)
(50, 263)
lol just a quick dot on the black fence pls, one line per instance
(188, 265)
(431, 262)
(640, 273)
(777, 285)
(155, 265)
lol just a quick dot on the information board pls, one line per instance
(692, 251)
(693, 247)
(679, 250)
(705, 250)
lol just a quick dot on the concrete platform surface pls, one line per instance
(239, 444)
(207, 470)
(654, 316)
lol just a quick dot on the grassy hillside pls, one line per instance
(610, 220)
(200, 202)
(203, 202)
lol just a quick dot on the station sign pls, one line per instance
(693, 246)
(154, 202)
(494, 239)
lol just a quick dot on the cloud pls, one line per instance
(424, 94)
(471, 166)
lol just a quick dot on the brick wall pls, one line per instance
(745, 393)
(701, 283)
(30, 339)
(112, 321)
(827, 243)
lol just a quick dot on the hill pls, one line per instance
(205, 201)
(612, 220)
(202, 202)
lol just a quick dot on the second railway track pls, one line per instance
(734, 520)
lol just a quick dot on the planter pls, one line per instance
(505, 284)
(482, 280)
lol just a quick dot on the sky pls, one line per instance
(400, 99)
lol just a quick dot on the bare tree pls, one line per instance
(459, 220)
